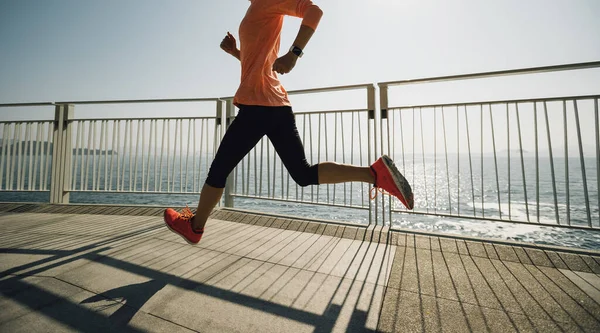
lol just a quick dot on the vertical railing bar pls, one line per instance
(29, 157)
(551, 163)
(95, 136)
(8, 150)
(537, 162)
(343, 153)
(21, 155)
(131, 166)
(495, 160)
(508, 157)
(597, 122)
(47, 167)
(196, 176)
(75, 160)
(124, 158)
(170, 176)
(30, 169)
(260, 183)
(3, 152)
(248, 174)
(413, 145)
(458, 160)
(156, 181)
(567, 185)
(38, 139)
(101, 147)
(112, 155)
(180, 157)
(119, 187)
(360, 156)
(271, 194)
(470, 160)
(106, 157)
(84, 185)
(335, 127)
(141, 128)
(326, 149)
(335, 116)
(236, 174)
(83, 158)
(256, 192)
(582, 161)
(319, 149)
(481, 165)
(434, 159)
(423, 158)
(187, 155)
(102, 123)
(312, 188)
(282, 182)
(151, 136)
(522, 161)
(203, 125)
(79, 141)
(352, 155)
(166, 129)
(402, 138)
(18, 155)
(447, 164)
(235, 178)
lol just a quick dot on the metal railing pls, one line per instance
(499, 160)
(533, 161)
(125, 155)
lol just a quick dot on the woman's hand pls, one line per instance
(229, 44)
(285, 64)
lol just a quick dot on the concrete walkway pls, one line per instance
(120, 269)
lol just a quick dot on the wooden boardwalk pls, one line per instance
(102, 268)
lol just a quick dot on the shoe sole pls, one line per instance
(399, 179)
(177, 233)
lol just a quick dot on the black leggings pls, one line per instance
(250, 125)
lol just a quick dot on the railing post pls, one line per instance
(372, 146)
(383, 115)
(229, 115)
(61, 154)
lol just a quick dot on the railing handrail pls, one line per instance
(8, 105)
(530, 70)
(321, 89)
(499, 101)
(124, 101)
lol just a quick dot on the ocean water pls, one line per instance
(457, 185)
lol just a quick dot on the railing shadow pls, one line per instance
(134, 296)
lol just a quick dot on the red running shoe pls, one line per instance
(181, 224)
(389, 180)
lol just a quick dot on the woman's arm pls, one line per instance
(310, 22)
(229, 45)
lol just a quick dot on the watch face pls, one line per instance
(297, 51)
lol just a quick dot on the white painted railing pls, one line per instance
(533, 161)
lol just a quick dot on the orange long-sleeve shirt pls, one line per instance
(260, 33)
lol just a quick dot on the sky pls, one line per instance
(55, 50)
(74, 50)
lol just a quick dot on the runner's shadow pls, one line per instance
(134, 296)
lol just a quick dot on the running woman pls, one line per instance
(264, 109)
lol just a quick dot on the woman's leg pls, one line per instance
(243, 134)
(287, 143)
(332, 173)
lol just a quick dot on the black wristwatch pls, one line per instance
(297, 51)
